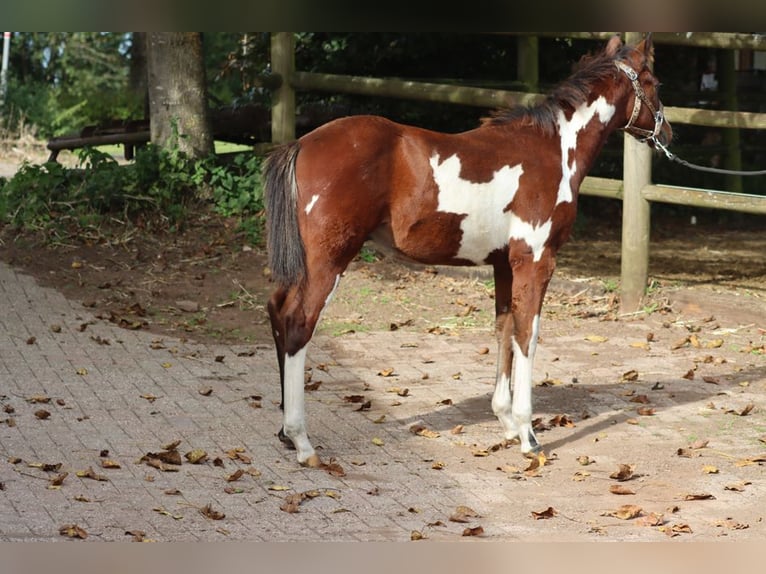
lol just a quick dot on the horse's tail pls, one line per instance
(287, 256)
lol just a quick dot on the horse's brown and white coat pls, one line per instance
(503, 194)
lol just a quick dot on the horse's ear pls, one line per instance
(614, 44)
(646, 47)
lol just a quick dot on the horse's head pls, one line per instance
(644, 110)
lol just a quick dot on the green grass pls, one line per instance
(117, 150)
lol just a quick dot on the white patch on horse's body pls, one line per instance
(568, 132)
(294, 403)
(534, 235)
(310, 204)
(486, 226)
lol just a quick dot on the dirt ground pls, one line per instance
(688, 369)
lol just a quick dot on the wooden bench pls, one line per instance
(128, 133)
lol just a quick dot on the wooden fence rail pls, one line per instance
(635, 189)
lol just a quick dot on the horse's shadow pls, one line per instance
(585, 406)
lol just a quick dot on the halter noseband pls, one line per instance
(659, 117)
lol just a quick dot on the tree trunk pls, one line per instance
(177, 93)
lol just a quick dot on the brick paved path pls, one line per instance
(130, 392)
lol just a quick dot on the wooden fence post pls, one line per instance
(283, 98)
(637, 173)
(727, 74)
(528, 61)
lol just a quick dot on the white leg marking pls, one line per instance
(568, 132)
(294, 423)
(501, 406)
(521, 411)
(310, 204)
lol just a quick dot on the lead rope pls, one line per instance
(673, 157)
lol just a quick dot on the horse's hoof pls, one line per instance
(312, 462)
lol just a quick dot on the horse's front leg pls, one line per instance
(531, 275)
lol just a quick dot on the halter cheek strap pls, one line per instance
(641, 98)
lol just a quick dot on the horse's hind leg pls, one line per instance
(501, 398)
(293, 323)
(275, 309)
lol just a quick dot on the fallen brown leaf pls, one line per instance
(209, 512)
(625, 512)
(90, 473)
(645, 411)
(196, 456)
(164, 460)
(699, 496)
(333, 469)
(73, 531)
(549, 512)
(631, 375)
(561, 421)
(737, 487)
(312, 386)
(625, 472)
(58, 480)
(138, 535)
(731, 524)
(619, 489)
(681, 343)
(686, 453)
(464, 514)
(236, 475)
(475, 531)
(651, 519)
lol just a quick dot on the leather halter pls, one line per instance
(659, 116)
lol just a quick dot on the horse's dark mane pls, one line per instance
(570, 93)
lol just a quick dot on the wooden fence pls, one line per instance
(635, 189)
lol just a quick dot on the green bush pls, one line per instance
(156, 190)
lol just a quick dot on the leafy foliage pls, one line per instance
(61, 81)
(153, 192)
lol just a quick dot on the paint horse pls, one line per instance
(503, 194)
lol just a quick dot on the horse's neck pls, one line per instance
(585, 132)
